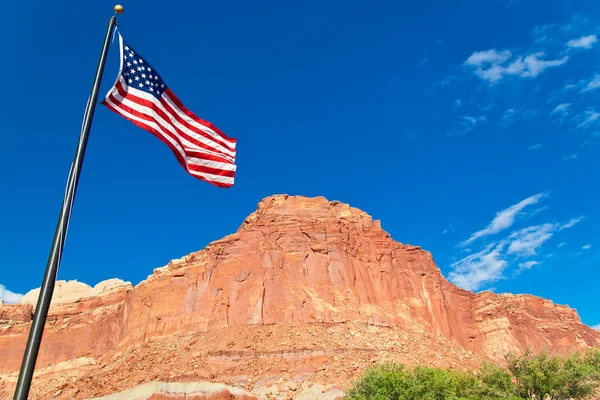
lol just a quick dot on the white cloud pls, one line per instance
(505, 218)
(594, 83)
(467, 123)
(571, 156)
(511, 115)
(508, 114)
(584, 42)
(536, 146)
(476, 270)
(540, 32)
(561, 244)
(9, 297)
(489, 107)
(491, 65)
(528, 265)
(589, 117)
(449, 229)
(475, 120)
(561, 108)
(570, 86)
(492, 56)
(587, 247)
(486, 266)
(596, 327)
(532, 65)
(558, 33)
(526, 241)
(572, 222)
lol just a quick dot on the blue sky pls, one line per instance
(470, 129)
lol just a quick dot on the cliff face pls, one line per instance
(295, 261)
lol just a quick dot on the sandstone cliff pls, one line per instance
(303, 288)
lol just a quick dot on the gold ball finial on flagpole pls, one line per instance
(119, 9)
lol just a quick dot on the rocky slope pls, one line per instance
(305, 291)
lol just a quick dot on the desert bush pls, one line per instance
(529, 376)
(396, 382)
(543, 376)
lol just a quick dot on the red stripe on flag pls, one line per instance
(212, 171)
(189, 168)
(190, 114)
(183, 122)
(146, 103)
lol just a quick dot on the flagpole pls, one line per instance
(47, 289)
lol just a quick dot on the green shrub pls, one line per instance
(395, 382)
(543, 376)
(532, 377)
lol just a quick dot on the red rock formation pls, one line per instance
(295, 261)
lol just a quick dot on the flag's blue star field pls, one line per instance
(139, 74)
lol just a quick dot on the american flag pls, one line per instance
(142, 96)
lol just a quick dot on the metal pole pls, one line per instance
(45, 297)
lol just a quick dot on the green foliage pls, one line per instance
(538, 377)
(543, 376)
(386, 381)
(395, 382)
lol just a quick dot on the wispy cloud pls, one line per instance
(534, 147)
(540, 33)
(588, 118)
(561, 109)
(584, 42)
(476, 270)
(572, 222)
(587, 247)
(596, 327)
(486, 266)
(527, 265)
(449, 229)
(561, 244)
(489, 107)
(467, 123)
(504, 219)
(492, 56)
(559, 32)
(511, 115)
(594, 83)
(492, 65)
(458, 103)
(526, 241)
(570, 157)
(9, 297)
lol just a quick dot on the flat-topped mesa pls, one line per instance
(296, 260)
